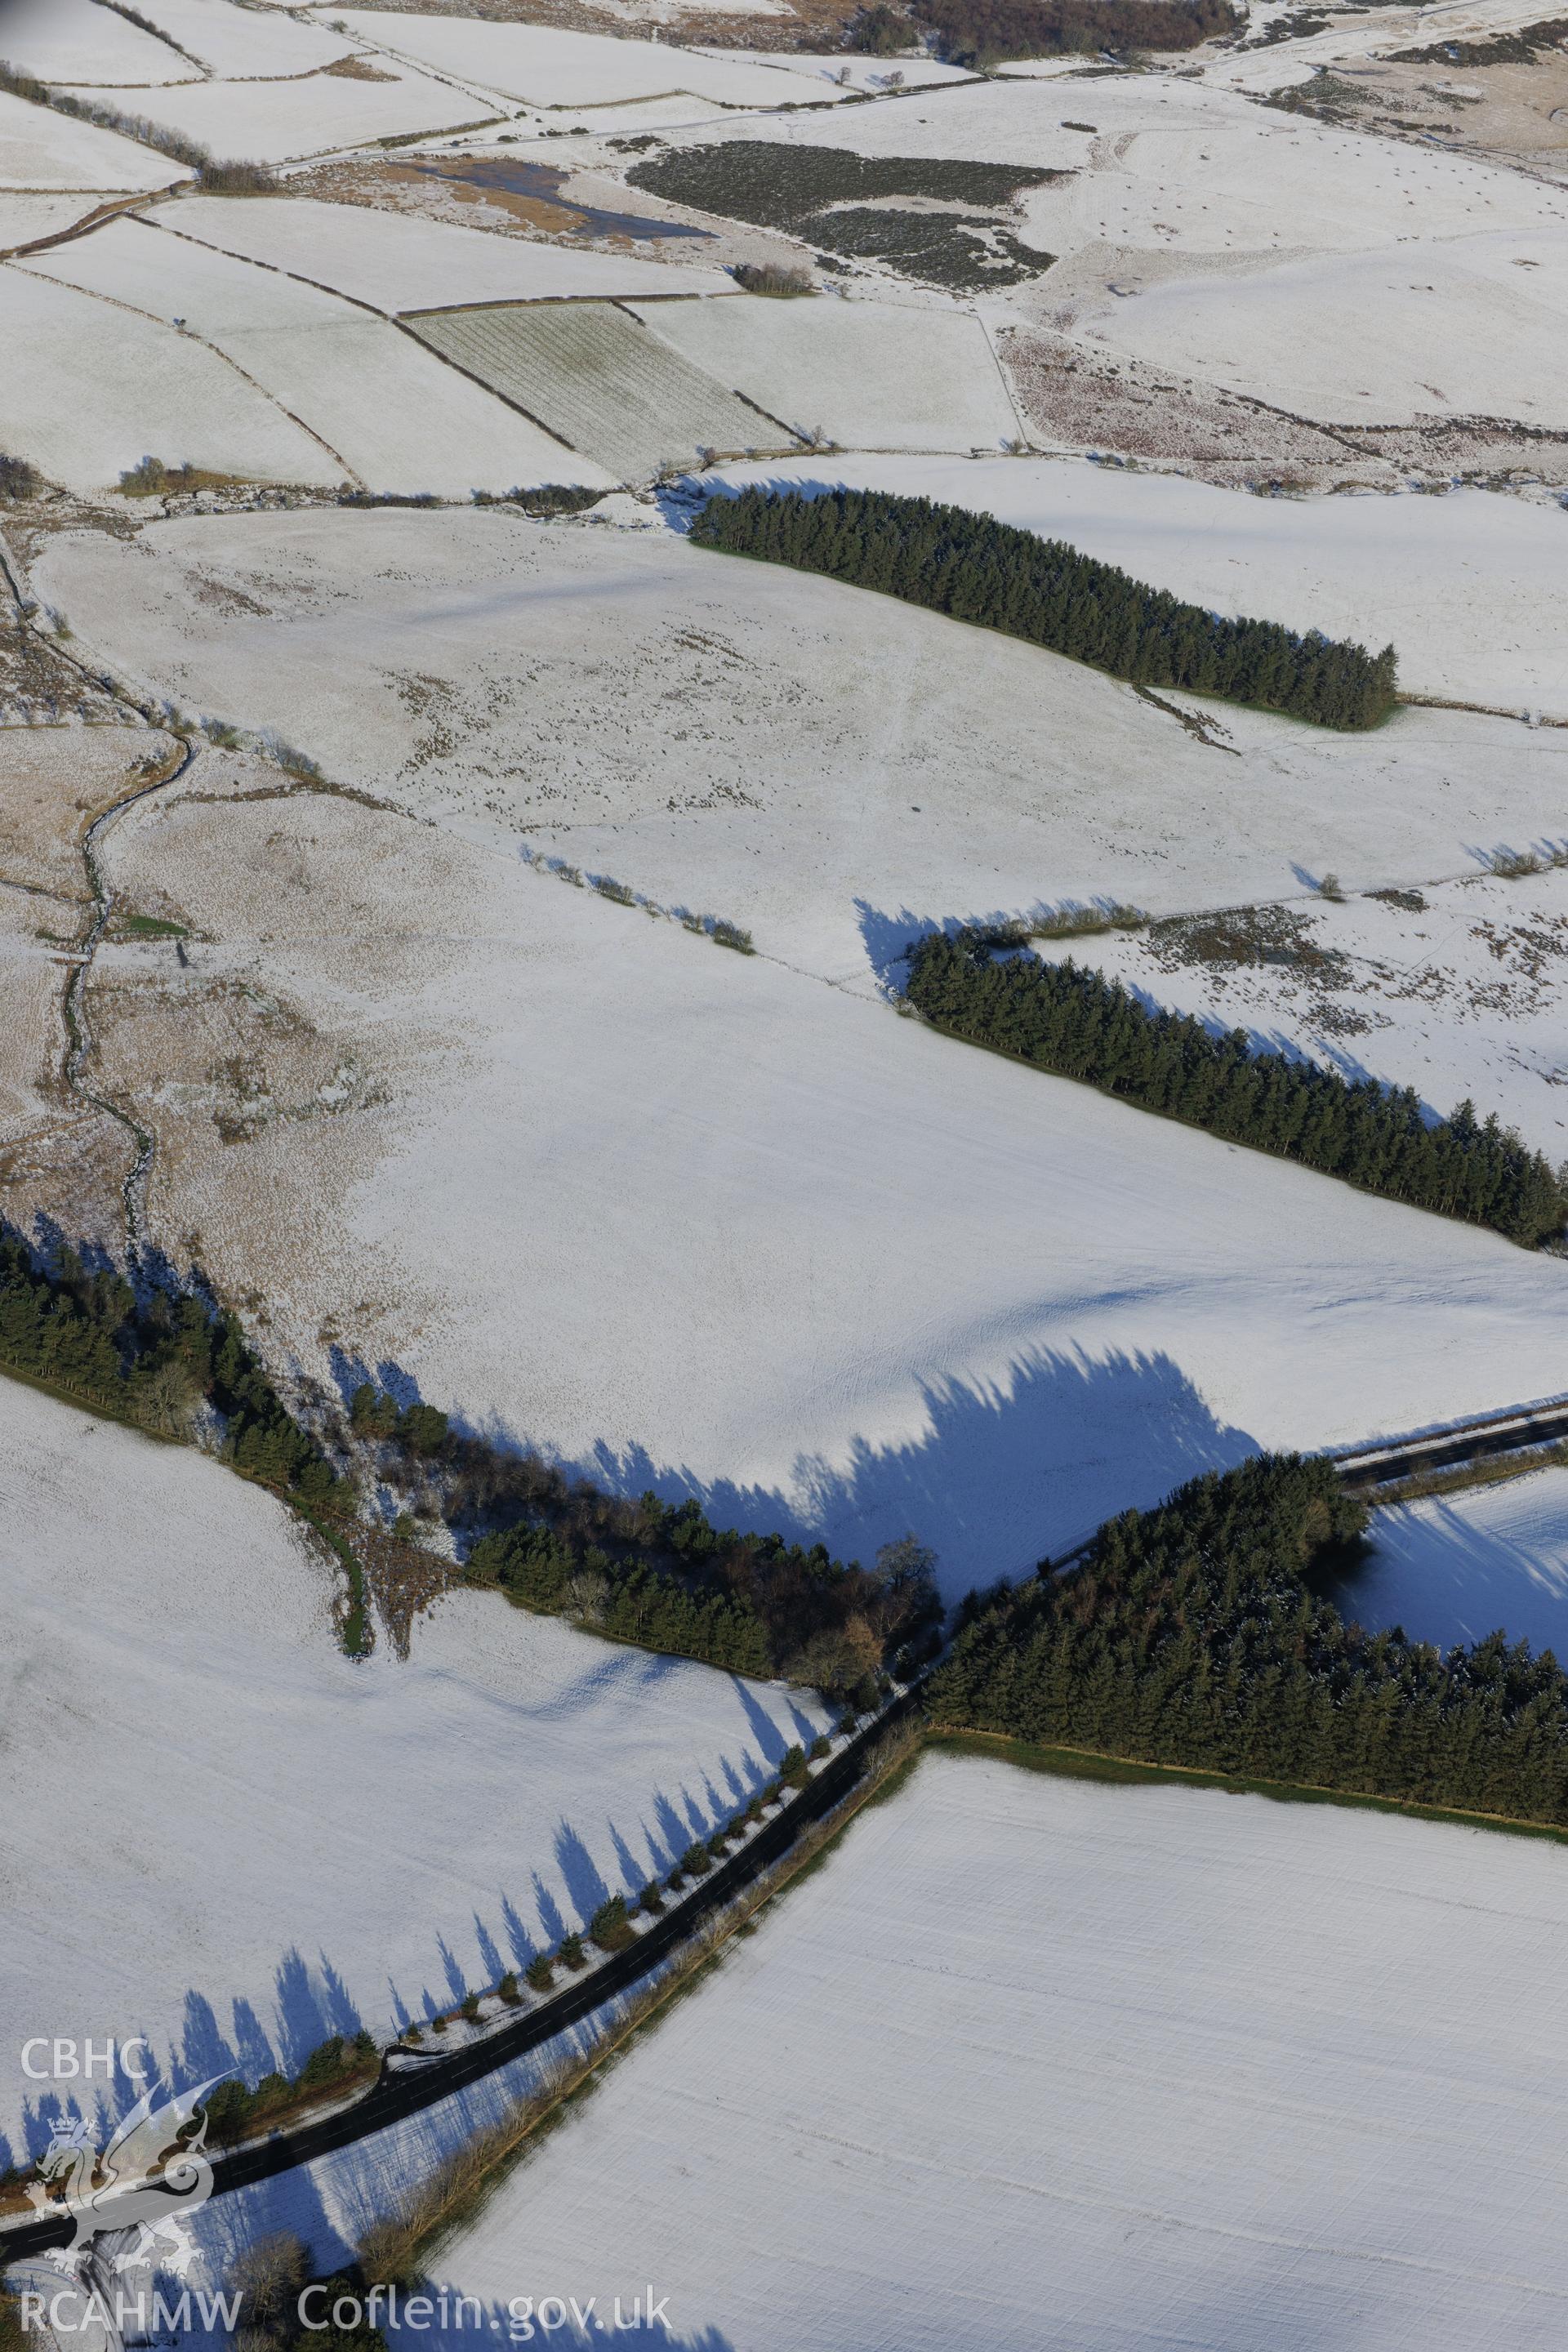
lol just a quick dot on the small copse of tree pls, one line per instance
(987, 31)
(772, 277)
(233, 2110)
(995, 576)
(610, 1927)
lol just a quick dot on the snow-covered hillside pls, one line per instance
(274, 1842)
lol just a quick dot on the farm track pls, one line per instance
(408, 2084)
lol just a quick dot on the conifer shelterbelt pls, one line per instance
(995, 576)
(153, 1359)
(1078, 1024)
(1191, 1636)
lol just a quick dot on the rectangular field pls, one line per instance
(388, 411)
(548, 67)
(596, 375)
(88, 389)
(280, 121)
(398, 263)
(870, 375)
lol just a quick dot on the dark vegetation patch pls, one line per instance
(996, 577)
(1081, 1026)
(1522, 47)
(18, 480)
(336, 2067)
(982, 32)
(847, 205)
(154, 479)
(881, 31)
(770, 277)
(1409, 902)
(1250, 939)
(544, 498)
(1194, 1635)
(662, 1576)
(658, 1574)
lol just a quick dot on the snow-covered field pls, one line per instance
(832, 767)
(42, 151)
(1454, 1568)
(396, 263)
(1473, 326)
(1040, 2065)
(699, 1221)
(867, 374)
(244, 42)
(278, 1842)
(89, 388)
(1471, 587)
(548, 67)
(272, 122)
(1461, 990)
(78, 40)
(388, 412)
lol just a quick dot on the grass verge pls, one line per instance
(1086, 1764)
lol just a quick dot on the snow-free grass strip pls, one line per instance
(1078, 1024)
(995, 576)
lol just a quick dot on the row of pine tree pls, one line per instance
(1193, 1637)
(978, 570)
(1078, 1024)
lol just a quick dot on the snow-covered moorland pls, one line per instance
(277, 1841)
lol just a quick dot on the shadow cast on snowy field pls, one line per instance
(1453, 1571)
(1005, 1472)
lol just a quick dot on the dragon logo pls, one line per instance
(149, 2179)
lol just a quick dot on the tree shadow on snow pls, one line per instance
(1005, 1472)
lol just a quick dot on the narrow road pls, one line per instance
(408, 2082)
(1484, 1437)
